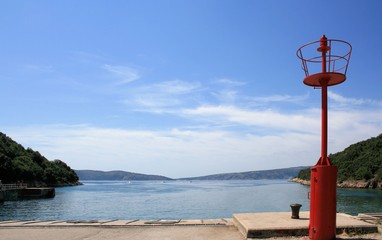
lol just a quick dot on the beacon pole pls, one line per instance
(324, 105)
(323, 178)
(322, 225)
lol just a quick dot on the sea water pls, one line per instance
(178, 200)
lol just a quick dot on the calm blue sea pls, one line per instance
(178, 200)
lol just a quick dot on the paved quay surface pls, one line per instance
(137, 233)
(280, 224)
(212, 229)
(120, 229)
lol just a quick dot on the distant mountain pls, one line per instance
(116, 175)
(283, 173)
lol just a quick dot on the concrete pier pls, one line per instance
(280, 224)
(242, 226)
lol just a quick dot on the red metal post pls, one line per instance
(324, 122)
(324, 102)
(322, 225)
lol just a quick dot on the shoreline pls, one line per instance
(357, 184)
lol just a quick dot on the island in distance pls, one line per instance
(117, 176)
(283, 173)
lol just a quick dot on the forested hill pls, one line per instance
(117, 175)
(361, 161)
(283, 173)
(18, 164)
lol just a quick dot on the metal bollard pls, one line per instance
(295, 210)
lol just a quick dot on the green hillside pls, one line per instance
(117, 176)
(18, 164)
(360, 161)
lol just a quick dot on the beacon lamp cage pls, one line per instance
(337, 59)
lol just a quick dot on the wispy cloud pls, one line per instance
(38, 68)
(226, 96)
(344, 101)
(280, 98)
(161, 96)
(123, 74)
(230, 82)
(227, 90)
(87, 57)
(175, 87)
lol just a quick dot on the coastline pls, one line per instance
(41, 184)
(361, 184)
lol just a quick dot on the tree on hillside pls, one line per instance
(359, 161)
(18, 164)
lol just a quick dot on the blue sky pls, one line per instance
(183, 88)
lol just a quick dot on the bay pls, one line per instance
(178, 200)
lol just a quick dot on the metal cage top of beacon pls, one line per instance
(337, 57)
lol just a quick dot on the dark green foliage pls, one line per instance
(304, 174)
(18, 164)
(360, 161)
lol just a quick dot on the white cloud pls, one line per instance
(175, 152)
(350, 126)
(267, 119)
(254, 139)
(123, 74)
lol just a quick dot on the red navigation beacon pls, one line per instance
(325, 63)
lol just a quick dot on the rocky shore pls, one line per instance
(372, 183)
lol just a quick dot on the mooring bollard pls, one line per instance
(295, 210)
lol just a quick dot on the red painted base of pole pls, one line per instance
(322, 225)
